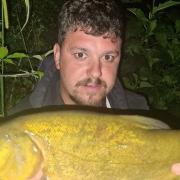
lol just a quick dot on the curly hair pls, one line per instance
(95, 17)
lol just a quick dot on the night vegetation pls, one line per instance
(151, 53)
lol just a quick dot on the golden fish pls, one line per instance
(87, 145)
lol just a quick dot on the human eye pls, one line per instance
(109, 57)
(80, 55)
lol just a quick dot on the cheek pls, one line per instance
(70, 66)
(109, 75)
(71, 73)
(66, 73)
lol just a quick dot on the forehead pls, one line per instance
(80, 38)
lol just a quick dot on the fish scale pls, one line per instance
(82, 144)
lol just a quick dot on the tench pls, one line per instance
(87, 145)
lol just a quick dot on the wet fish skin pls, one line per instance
(87, 145)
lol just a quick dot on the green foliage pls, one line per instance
(163, 6)
(5, 13)
(32, 39)
(151, 62)
(40, 32)
(9, 58)
(3, 52)
(11, 61)
(4, 9)
(17, 88)
(27, 13)
(152, 54)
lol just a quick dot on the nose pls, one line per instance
(95, 69)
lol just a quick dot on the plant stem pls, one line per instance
(151, 9)
(23, 39)
(2, 66)
(25, 74)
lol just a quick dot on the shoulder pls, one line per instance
(136, 101)
(122, 98)
(45, 91)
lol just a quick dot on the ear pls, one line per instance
(56, 50)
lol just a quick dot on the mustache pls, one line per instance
(96, 81)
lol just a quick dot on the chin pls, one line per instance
(92, 101)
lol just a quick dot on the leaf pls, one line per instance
(152, 61)
(18, 56)
(165, 5)
(48, 52)
(39, 74)
(27, 4)
(3, 52)
(177, 25)
(39, 57)
(177, 93)
(128, 83)
(5, 13)
(171, 54)
(153, 25)
(145, 84)
(139, 14)
(9, 61)
(135, 76)
(161, 37)
(168, 79)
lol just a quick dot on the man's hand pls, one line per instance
(176, 169)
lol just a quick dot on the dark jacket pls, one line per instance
(46, 92)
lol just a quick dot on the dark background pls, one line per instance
(151, 53)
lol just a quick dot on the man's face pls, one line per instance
(88, 67)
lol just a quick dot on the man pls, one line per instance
(86, 57)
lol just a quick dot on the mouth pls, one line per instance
(93, 84)
(92, 87)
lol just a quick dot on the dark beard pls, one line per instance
(78, 100)
(95, 81)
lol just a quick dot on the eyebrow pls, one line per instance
(78, 48)
(86, 50)
(112, 52)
